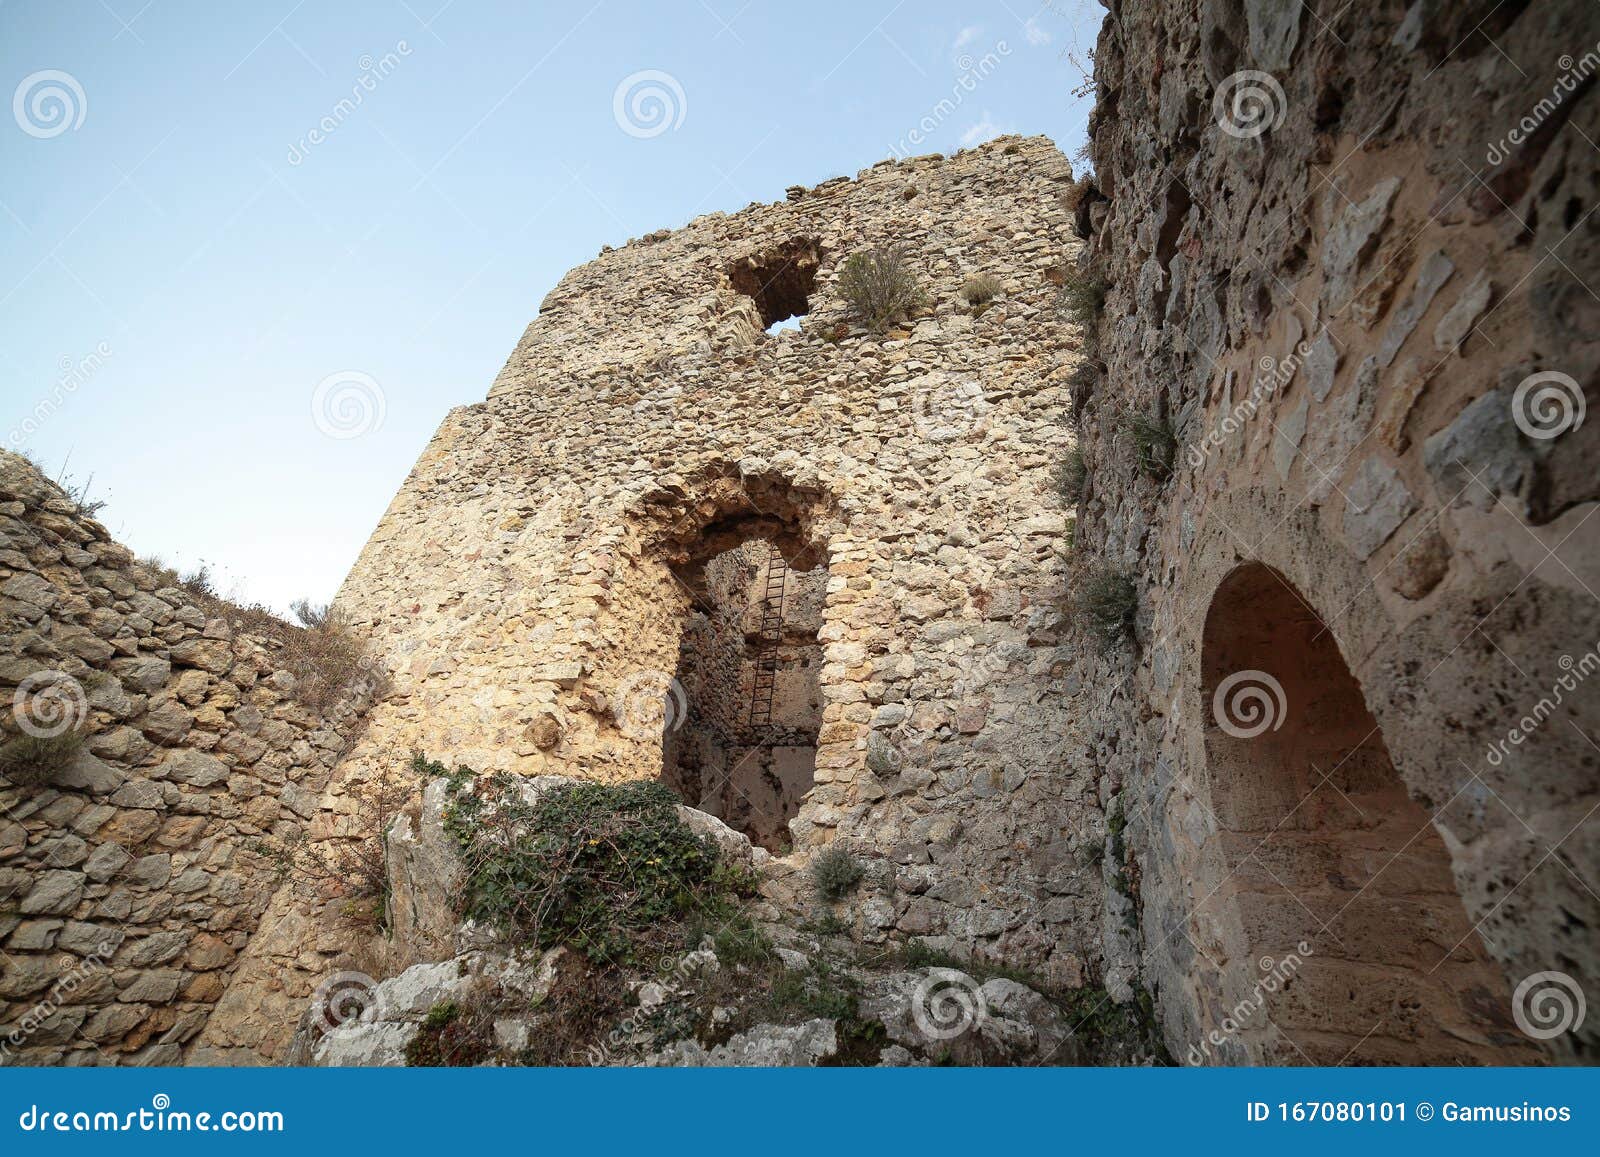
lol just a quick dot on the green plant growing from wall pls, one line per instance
(881, 286)
(1081, 297)
(609, 870)
(34, 760)
(1107, 602)
(1071, 476)
(835, 873)
(1155, 443)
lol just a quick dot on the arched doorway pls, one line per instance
(749, 663)
(1356, 947)
(749, 557)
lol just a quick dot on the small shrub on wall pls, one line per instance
(881, 286)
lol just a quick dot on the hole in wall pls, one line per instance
(780, 281)
(1325, 846)
(749, 663)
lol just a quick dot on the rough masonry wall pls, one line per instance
(127, 887)
(520, 583)
(1406, 268)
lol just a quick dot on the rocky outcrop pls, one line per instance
(475, 997)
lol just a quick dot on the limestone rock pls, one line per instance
(1377, 503)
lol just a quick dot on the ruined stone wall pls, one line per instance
(128, 886)
(522, 582)
(1368, 315)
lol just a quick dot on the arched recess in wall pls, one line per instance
(751, 562)
(1355, 939)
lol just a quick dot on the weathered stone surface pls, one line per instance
(1376, 503)
(1436, 269)
(1438, 289)
(105, 862)
(89, 774)
(765, 1046)
(194, 768)
(1480, 455)
(213, 655)
(1422, 564)
(53, 893)
(1352, 238)
(1454, 326)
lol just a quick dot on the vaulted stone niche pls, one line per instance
(1355, 943)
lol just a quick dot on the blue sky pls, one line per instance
(182, 264)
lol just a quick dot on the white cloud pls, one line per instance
(984, 130)
(966, 36)
(1036, 35)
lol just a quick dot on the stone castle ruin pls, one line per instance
(1249, 721)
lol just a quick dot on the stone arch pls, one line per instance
(748, 554)
(1353, 941)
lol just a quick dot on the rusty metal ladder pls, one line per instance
(765, 684)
